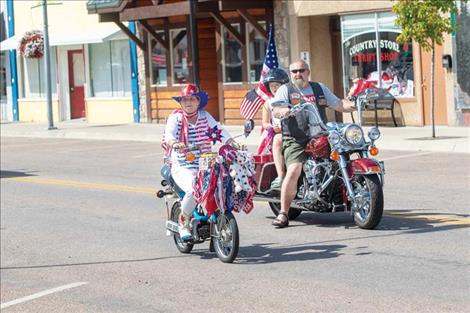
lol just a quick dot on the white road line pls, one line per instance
(406, 156)
(41, 294)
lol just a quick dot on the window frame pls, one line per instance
(24, 87)
(113, 93)
(169, 55)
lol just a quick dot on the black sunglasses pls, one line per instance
(300, 70)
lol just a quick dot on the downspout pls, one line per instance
(13, 65)
(134, 76)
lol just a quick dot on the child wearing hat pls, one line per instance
(189, 126)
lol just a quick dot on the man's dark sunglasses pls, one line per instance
(300, 70)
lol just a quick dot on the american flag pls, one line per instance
(254, 99)
(250, 104)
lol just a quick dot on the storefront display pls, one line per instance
(368, 39)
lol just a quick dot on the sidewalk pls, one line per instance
(449, 139)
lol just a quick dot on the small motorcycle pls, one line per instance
(219, 224)
(338, 174)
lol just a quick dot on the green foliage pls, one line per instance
(425, 21)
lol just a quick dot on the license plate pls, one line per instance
(172, 226)
(203, 164)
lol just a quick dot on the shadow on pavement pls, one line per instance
(12, 174)
(265, 253)
(405, 221)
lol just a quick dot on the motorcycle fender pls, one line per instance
(365, 166)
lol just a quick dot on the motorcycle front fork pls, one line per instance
(343, 165)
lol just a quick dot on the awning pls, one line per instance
(65, 39)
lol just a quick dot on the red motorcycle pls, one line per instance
(339, 175)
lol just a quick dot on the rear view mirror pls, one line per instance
(248, 127)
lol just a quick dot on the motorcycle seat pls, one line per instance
(166, 174)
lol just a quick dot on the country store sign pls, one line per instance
(358, 54)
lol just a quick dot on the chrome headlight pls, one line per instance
(353, 134)
(334, 138)
(374, 133)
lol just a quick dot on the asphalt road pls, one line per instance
(81, 231)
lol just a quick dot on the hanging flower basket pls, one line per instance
(32, 45)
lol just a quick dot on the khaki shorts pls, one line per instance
(293, 152)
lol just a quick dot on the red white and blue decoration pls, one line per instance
(214, 134)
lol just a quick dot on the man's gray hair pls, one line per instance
(304, 64)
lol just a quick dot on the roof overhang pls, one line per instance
(65, 39)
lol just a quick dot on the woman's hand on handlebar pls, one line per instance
(178, 146)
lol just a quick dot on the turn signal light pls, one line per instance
(374, 151)
(190, 157)
(375, 168)
(334, 155)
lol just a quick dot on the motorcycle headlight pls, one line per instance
(354, 134)
(334, 138)
(374, 133)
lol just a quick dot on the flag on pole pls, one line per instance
(255, 99)
(250, 104)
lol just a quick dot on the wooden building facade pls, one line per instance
(217, 44)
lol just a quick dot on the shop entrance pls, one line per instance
(76, 82)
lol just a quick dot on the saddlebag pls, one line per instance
(265, 171)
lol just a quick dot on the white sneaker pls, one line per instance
(185, 234)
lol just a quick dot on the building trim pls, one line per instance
(13, 64)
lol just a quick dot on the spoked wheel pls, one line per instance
(368, 205)
(183, 247)
(293, 212)
(225, 237)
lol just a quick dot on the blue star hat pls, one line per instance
(192, 90)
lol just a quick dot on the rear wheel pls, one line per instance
(293, 212)
(225, 237)
(183, 247)
(368, 205)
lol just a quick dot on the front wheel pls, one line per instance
(368, 205)
(225, 237)
(183, 247)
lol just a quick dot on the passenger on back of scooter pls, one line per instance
(274, 79)
(185, 127)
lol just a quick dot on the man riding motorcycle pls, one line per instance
(299, 91)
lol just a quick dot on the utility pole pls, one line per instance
(47, 59)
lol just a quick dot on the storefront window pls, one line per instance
(180, 56)
(256, 50)
(110, 71)
(34, 73)
(159, 65)
(462, 66)
(232, 57)
(361, 55)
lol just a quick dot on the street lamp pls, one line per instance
(47, 60)
(48, 67)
